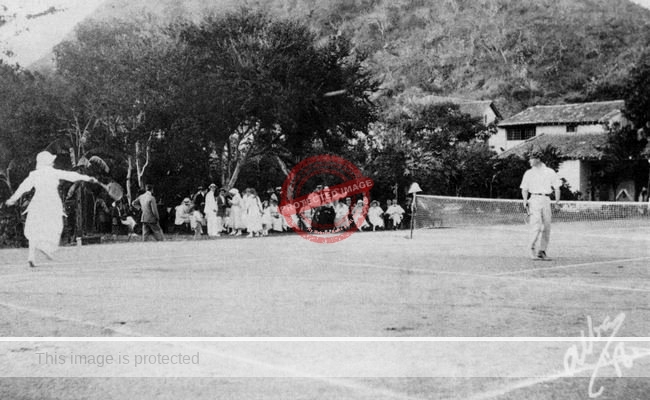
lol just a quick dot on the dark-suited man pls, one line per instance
(222, 204)
(150, 219)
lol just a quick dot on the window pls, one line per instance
(520, 132)
(571, 128)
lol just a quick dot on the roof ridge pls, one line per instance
(459, 99)
(578, 104)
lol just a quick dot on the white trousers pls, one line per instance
(540, 221)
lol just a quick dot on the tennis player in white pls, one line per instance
(44, 222)
(538, 183)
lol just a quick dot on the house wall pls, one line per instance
(571, 171)
(561, 129)
(499, 141)
(585, 173)
(550, 129)
(489, 116)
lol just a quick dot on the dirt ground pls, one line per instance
(443, 283)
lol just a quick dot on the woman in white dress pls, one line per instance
(236, 212)
(376, 215)
(253, 213)
(267, 221)
(358, 217)
(342, 215)
(277, 222)
(210, 211)
(44, 222)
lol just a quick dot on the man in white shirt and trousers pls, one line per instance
(539, 182)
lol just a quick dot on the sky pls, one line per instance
(32, 38)
(644, 3)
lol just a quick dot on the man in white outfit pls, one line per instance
(539, 182)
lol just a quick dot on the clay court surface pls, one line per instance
(468, 288)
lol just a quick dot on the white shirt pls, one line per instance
(540, 180)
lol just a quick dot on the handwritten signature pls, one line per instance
(612, 354)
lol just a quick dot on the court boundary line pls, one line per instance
(352, 383)
(347, 383)
(587, 264)
(493, 276)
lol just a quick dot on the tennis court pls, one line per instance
(470, 282)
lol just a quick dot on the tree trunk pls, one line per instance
(140, 169)
(235, 173)
(129, 173)
(79, 220)
(282, 165)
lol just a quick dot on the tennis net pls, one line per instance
(445, 211)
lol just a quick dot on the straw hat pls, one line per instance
(44, 159)
(233, 191)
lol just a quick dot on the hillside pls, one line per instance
(517, 52)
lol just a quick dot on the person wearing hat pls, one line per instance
(183, 213)
(358, 216)
(211, 210)
(537, 185)
(199, 199)
(44, 222)
(222, 209)
(236, 212)
(376, 215)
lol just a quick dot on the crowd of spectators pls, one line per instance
(214, 212)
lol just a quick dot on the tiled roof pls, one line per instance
(581, 113)
(475, 108)
(572, 146)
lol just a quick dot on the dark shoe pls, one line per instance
(541, 256)
(31, 264)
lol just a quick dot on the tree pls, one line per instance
(120, 73)
(30, 106)
(258, 86)
(390, 158)
(454, 159)
(621, 157)
(637, 93)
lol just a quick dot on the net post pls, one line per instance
(413, 213)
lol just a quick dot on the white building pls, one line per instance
(565, 119)
(578, 131)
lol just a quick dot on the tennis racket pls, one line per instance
(526, 215)
(113, 189)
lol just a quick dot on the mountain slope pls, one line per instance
(518, 52)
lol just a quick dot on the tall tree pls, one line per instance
(637, 93)
(260, 86)
(120, 73)
(452, 157)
